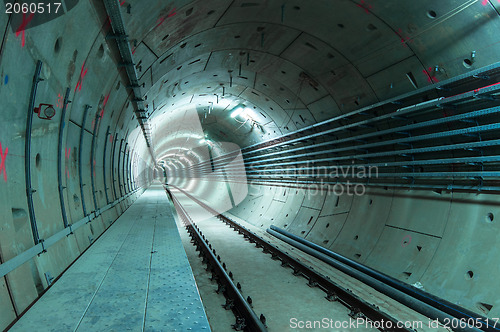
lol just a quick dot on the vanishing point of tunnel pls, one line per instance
(250, 165)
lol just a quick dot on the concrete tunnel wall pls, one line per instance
(78, 59)
(445, 241)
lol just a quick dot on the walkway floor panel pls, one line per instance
(135, 277)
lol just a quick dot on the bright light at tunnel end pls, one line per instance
(237, 111)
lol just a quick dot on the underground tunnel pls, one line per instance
(249, 165)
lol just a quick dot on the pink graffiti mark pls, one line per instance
(93, 167)
(365, 6)
(110, 138)
(67, 153)
(485, 2)
(404, 40)
(162, 19)
(83, 72)
(104, 103)
(406, 241)
(3, 156)
(60, 101)
(122, 2)
(430, 79)
(23, 26)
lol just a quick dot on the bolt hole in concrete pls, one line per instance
(356, 237)
(57, 45)
(76, 200)
(490, 217)
(431, 14)
(467, 63)
(100, 52)
(38, 161)
(371, 202)
(327, 225)
(469, 275)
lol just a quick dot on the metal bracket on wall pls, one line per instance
(118, 170)
(27, 152)
(92, 159)
(48, 278)
(80, 153)
(113, 166)
(59, 157)
(104, 165)
(120, 36)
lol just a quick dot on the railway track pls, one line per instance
(246, 318)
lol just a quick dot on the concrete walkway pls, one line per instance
(135, 277)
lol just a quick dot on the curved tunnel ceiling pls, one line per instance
(296, 64)
(316, 83)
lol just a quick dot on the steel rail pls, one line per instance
(246, 319)
(439, 102)
(411, 139)
(264, 168)
(359, 307)
(328, 185)
(478, 74)
(431, 299)
(406, 128)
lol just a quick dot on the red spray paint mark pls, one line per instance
(162, 19)
(110, 138)
(404, 40)
(430, 79)
(67, 153)
(83, 72)
(365, 6)
(23, 26)
(104, 105)
(60, 101)
(406, 241)
(3, 156)
(93, 167)
(121, 3)
(485, 2)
